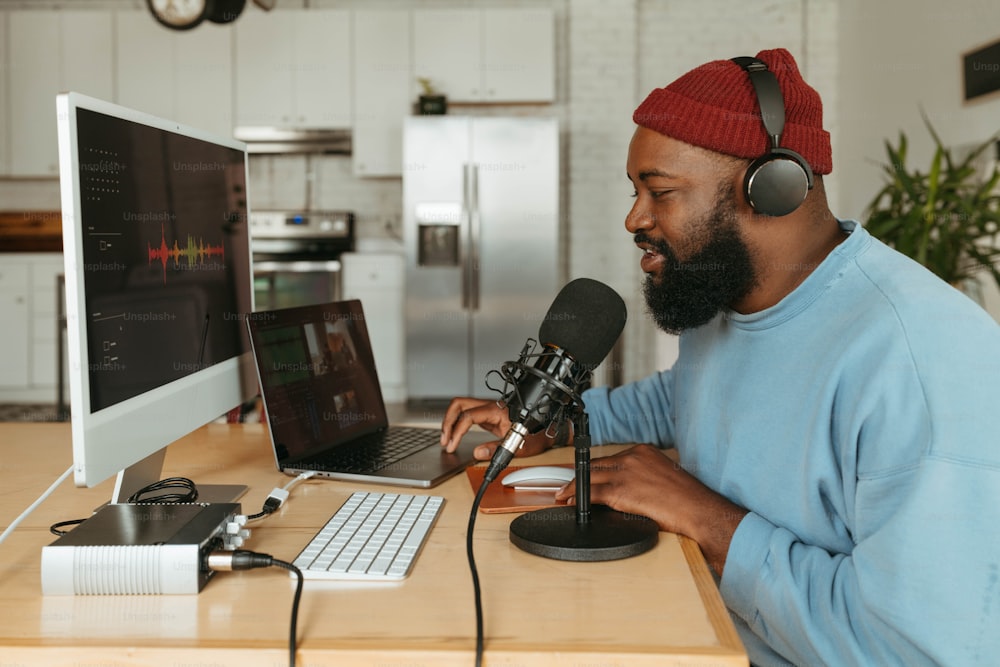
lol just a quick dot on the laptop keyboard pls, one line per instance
(376, 451)
(372, 537)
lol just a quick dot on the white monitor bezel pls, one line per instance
(172, 410)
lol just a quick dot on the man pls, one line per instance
(833, 404)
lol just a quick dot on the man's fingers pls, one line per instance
(456, 422)
(485, 452)
(458, 430)
(448, 421)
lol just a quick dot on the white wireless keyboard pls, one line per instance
(372, 537)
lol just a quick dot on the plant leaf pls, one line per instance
(947, 219)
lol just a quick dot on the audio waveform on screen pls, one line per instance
(194, 253)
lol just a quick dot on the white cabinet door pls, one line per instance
(4, 76)
(322, 72)
(45, 270)
(144, 64)
(34, 82)
(447, 50)
(293, 69)
(203, 78)
(518, 55)
(377, 280)
(86, 57)
(51, 52)
(489, 55)
(383, 91)
(180, 76)
(264, 62)
(14, 334)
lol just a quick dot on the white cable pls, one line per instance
(24, 515)
(302, 477)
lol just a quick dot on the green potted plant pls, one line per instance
(430, 102)
(946, 218)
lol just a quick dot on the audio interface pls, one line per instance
(129, 549)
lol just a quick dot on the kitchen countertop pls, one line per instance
(30, 231)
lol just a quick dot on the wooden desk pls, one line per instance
(660, 608)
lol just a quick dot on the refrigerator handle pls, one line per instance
(465, 234)
(475, 237)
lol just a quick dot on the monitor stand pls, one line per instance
(150, 469)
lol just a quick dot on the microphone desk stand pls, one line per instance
(585, 532)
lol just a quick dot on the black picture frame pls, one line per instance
(981, 71)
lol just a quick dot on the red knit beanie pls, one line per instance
(714, 106)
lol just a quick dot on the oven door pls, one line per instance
(286, 283)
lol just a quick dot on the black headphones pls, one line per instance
(777, 182)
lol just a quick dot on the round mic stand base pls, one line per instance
(608, 535)
(584, 532)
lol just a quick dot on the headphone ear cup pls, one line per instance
(777, 183)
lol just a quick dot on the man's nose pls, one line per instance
(638, 218)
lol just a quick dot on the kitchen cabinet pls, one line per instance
(181, 76)
(293, 69)
(4, 126)
(14, 334)
(52, 51)
(518, 55)
(28, 294)
(45, 272)
(377, 280)
(486, 55)
(383, 91)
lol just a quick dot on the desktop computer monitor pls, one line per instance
(158, 282)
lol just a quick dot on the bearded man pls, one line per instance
(832, 406)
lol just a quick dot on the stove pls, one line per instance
(296, 256)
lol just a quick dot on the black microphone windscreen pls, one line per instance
(585, 320)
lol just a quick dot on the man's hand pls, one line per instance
(643, 480)
(463, 413)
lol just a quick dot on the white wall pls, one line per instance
(898, 57)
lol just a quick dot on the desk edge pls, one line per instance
(718, 615)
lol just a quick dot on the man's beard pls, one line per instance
(689, 293)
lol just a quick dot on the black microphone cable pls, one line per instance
(475, 573)
(241, 559)
(581, 326)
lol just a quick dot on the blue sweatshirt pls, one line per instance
(857, 420)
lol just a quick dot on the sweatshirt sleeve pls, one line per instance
(924, 588)
(914, 483)
(638, 412)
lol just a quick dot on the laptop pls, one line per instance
(324, 406)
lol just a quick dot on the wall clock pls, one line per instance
(186, 14)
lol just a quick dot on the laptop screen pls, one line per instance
(317, 376)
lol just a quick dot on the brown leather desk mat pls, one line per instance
(499, 499)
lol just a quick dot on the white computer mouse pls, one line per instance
(539, 478)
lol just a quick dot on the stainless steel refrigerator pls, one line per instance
(481, 229)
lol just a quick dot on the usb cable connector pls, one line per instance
(275, 499)
(278, 495)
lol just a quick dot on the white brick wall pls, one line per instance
(821, 68)
(602, 74)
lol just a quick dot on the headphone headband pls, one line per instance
(769, 96)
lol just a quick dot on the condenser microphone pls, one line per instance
(580, 328)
